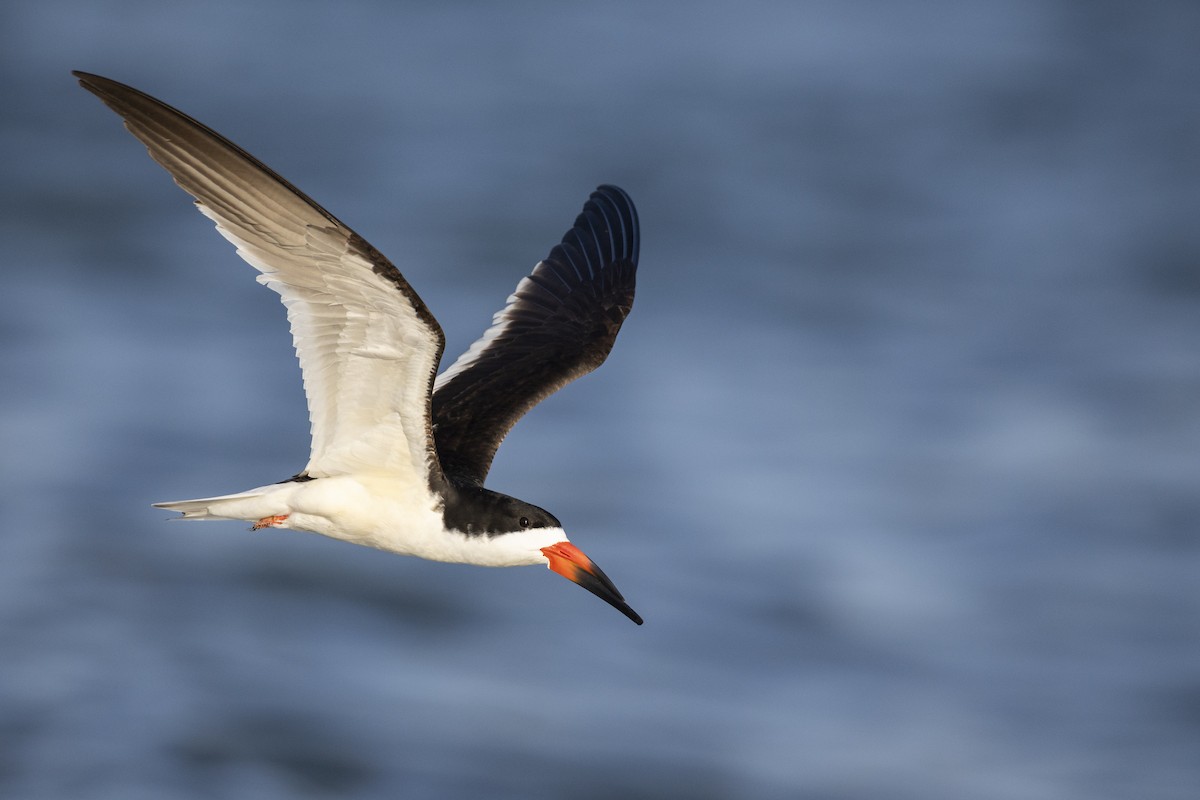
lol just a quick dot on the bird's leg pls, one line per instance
(269, 522)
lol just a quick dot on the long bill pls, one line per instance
(569, 561)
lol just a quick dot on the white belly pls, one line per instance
(373, 510)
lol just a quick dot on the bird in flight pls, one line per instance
(399, 457)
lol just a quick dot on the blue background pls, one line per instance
(897, 454)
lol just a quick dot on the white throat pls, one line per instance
(520, 548)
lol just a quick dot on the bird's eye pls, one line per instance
(524, 522)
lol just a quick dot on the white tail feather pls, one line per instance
(229, 506)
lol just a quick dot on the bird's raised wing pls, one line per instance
(559, 324)
(368, 346)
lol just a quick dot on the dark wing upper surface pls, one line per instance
(367, 344)
(559, 324)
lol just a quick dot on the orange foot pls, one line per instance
(269, 522)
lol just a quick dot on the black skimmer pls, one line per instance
(399, 459)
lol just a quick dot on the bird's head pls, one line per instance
(515, 532)
(568, 560)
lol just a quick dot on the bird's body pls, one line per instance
(398, 461)
(374, 510)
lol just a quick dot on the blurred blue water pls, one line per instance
(897, 454)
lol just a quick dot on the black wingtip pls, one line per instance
(114, 94)
(605, 233)
(620, 215)
(90, 81)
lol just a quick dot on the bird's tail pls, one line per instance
(243, 505)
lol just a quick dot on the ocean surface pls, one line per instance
(898, 454)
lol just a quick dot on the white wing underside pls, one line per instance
(365, 355)
(367, 345)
